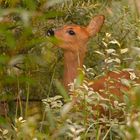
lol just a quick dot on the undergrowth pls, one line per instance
(34, 105)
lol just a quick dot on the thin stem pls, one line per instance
(50, 87)
(43, 118)
(27, 100)
(106, 133)
(99, 132)
(18, 100)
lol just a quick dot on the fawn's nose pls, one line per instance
(50, 32)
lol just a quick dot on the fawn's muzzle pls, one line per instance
(50, 32)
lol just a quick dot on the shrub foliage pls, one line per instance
(33, 103)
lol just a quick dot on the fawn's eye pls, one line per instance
(71, 32)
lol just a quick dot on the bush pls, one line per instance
(29, 65)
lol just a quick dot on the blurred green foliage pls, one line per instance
(29, 64)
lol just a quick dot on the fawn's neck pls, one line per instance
(72, 61)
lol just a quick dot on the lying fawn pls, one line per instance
(73, 40)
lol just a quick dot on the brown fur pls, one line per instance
(74, 47)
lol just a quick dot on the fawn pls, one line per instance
(73, 40)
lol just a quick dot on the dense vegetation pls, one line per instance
(33, 103)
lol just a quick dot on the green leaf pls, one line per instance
(61, 90)
(3, 59)
(30, 4)
(54, 14)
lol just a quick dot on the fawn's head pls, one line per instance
(74, 37)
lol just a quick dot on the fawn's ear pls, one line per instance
(95, 25)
